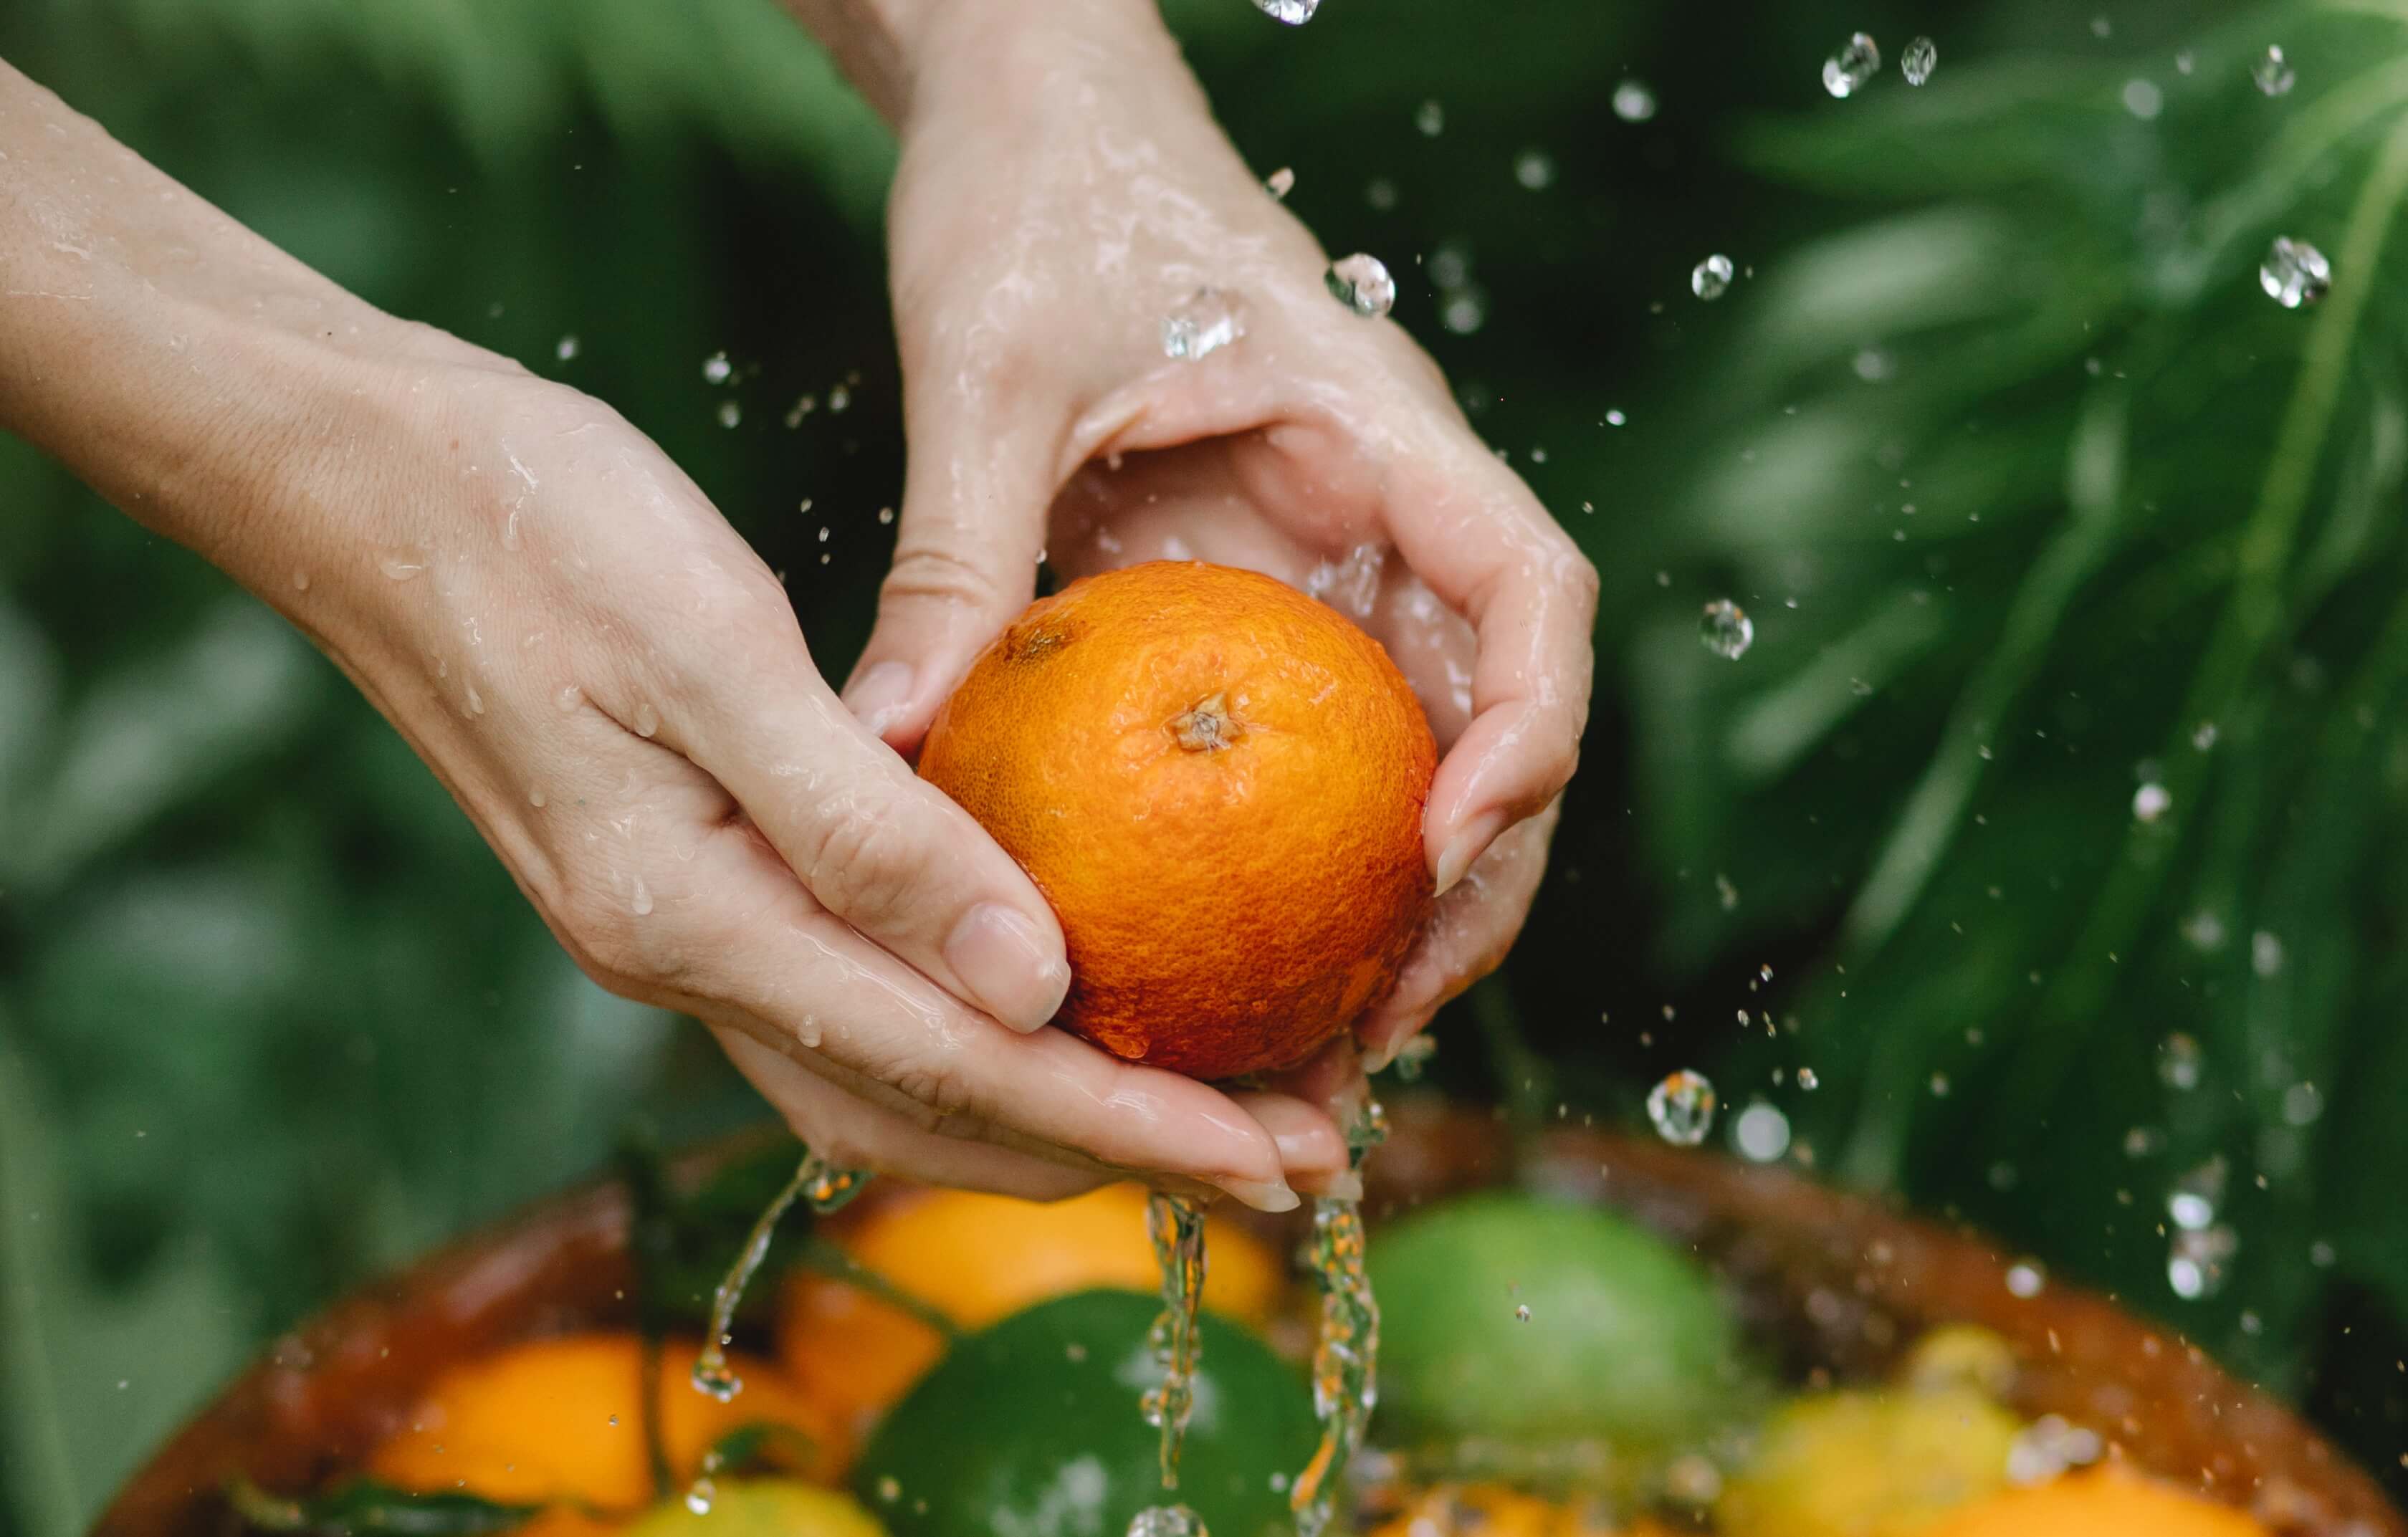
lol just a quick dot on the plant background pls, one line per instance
(2022, 479)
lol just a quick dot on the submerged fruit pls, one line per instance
(1218, 782)
(1031, 1428)
(976, 1258)
(1871, 1464)
(1532, 1322)
(560, 1419)
(2104, 1503)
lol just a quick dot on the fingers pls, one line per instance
(1472, 531)
(1469, 933)
(856, 1134)
(782, 970)
(1311, 1148)
(980, 478)
(875, 845)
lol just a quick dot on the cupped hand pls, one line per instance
(617, 691)
(1062, 193)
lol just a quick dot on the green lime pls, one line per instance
(765, 1507)
(1032, 1427)
(1527, 1322)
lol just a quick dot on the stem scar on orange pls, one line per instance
(1218, 782)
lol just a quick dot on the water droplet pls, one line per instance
(1940, 1085)
(2266, 955)
(802, 407)
(536, 797)
(840, 398)
(1430, 118)
(1171, 1520)
(2303, 1103)
(2273, 73)
(643, 903)
(730, 414)
(1294, 12)
(1535, 169)
(2027, 1279)
(716, 368)
(2143, 100)
(699, 1497)
(1762, 1133)
(1711, 278)
(2185, 61)
(1381, 193)
(1725, 629)
(1683, 1108)
(1522, 1312)
(2049, 1446)
(2151, 801)
(885, 515)
(1362, 284)
(397, 570)
(1464, 311)
(475, 701)
(2195, 1267)
(569, 698)
(2204, 930)
(648, 720)
(2178, 1063)
(1874, 365)
(1279, 182)
(2204, 737)
(1846, 72)
(1808, 1080)
(1202, 326)
(1413, 1055)
(565, 348)
(1922, 56)
(2192, 1202)
(1634, 101)
(300, 581)
(2294, 273)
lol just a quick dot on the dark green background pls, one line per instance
(271, 1018)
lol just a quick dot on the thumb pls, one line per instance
(975, 499)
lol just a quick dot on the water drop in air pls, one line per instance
(716, 368)
(1202, 326)
(1762, 1133)
(1362, 284)
(2178, 1062)
(1848, 71)
(1535, 169)
(567, 349)
(1167, 1521)
(2266, 955)
(2193, 1200)
(2294, 273)
(2195, 1267)
(2151, 801)
(2027, 1279)
(1711, 278)
(1634, 101)
(1279, 182)
(730, 414)
(1725, 629)
(2273, 73)
(1522, 1312)
(1683, 1108)
(1808, 1080)
(1294, 12)
(1922, 56)
(1430, 118)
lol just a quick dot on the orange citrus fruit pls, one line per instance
(2104, 1502)
(1861, 1463)
(976, 1260)
(1218, 782)
(1492, 1510)
(557, 1420)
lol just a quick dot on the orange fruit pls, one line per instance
(1218, 782)
(2104, 1502)
(976, 1260)
(1492, 1510)
(557, 1420)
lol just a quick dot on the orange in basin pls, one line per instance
(557, 1420)
(2104, 1503)
(976, 1260)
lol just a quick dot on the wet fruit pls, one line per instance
(976, 1258)
(765, 1507)
(2104, 1503)
(1871, 1464)
(1218, 782)
(1624, 1339)
(1031, 1428)
(558, 1419)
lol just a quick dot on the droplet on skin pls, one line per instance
(536, 797)
(1681, 1108)
(475, 701)
(1633, 101)
(510, 528)
(648, 720)
(1712, 278)
(569, 698)
(1202, 324)
(1725, 629)
(397, 570)
(2273, 73)
(2294, 273)
(1361, 283)
(300, 581)
(1280, 183)
(1848, 71)
(1922, 56)
(642, 903)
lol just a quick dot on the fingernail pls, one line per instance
(1009, 970)
(877, 698)
(1344, 1186)
(1467, 846)
(1263, 1195)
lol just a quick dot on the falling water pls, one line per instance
(824, 1187)
(1345, 1362)
(1176, 1225)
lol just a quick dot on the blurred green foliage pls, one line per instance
(2024, 483)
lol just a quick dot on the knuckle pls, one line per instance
(925, 570)
(859, 857)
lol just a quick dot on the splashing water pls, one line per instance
(2273, 73)
(1362, 284)
(1345, 1362)
(1725, 629)
(1634, 101)
(1683, 1108)
(824, 1187)
(1167, 1521)
(1207, 322)
(1852, 68)
(1712, 278)
(1176, 1226)
(2294, 273)
(1294, 12)
(1922, 56)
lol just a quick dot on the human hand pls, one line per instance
(606, 678)
(1063, 190)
